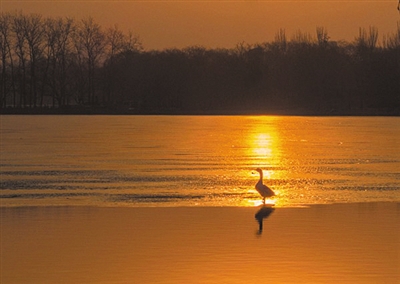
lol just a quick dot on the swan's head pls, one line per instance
(259, 170)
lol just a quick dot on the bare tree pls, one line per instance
(281, 40)
(115, 41)
(58, 42)
(301, 38)
(322, 36)
(89, 41)
(20, 49)
(132, 43)
(7, 65)
(367, 40)
(393, 41)
(33, 29)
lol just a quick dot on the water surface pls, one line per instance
(339, 243)
(197, 160)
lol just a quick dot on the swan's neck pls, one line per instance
(261, 176)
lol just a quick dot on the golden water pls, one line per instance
(197, 160)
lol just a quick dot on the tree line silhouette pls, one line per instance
(62, 65)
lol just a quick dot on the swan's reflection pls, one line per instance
(263, 213)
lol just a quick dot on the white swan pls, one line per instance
(262, 189)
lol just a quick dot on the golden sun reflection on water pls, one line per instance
(264, 151)
(262, 145)
(259, 202)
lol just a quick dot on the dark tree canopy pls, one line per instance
(63, 65)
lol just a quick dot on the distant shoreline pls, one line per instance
(302, 75)
(107, 111)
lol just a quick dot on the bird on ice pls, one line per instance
(262, 189)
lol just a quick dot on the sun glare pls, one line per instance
(263, 143)
(259, 202)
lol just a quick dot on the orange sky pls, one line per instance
(171, 23)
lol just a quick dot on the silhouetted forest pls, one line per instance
(63, 65)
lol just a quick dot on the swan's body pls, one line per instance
(262, 189)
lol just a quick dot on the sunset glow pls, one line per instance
(213, 24)
(199, 141)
